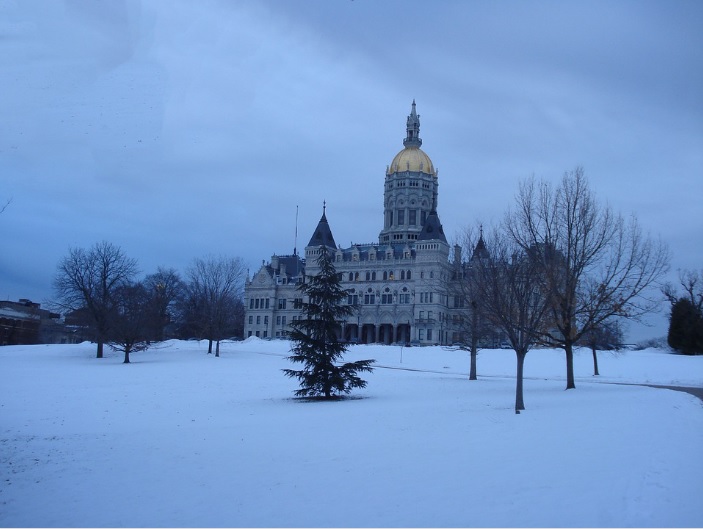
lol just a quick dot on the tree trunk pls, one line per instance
(595, 362)
(126, 355)
(569, 349)
(474, 341)
(217, 349)
(472, 372)
(519, 402)
(100, 348)
(209, 346)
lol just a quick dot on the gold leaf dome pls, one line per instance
(412, 159)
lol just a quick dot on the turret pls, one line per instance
(323, 234)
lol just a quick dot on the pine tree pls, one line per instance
(315, 338)
(686, 328)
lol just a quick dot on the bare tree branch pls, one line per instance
(87, 279)
(506, 281)
(594, 264)
(214, 290)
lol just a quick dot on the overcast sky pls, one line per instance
(180, 129)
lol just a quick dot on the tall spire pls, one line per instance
(480, 250)
(412, 138)
(323, 233)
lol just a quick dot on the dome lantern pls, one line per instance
(412, 134)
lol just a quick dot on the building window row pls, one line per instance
(385, 298)
(421, 335)
(405, 275)
(259, 303)
(407, 183)
(400, 217)
(258, 320)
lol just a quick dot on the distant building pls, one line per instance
(24, 322)
(400, 287)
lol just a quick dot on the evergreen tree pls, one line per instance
(686, 328)
(316, 338)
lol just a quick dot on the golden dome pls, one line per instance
(412, 159)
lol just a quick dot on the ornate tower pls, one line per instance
(410, 194)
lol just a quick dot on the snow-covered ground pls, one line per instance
(181, 438)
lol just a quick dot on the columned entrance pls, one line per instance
(383, 333)
(386, 334)
(402, 333)
(368, 333)
(351, 333)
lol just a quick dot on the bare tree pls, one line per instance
(4, 206)
(594, 264)
(607, 336)
(214, 286)
(165, 289)
(88, 279)
(471, 324)
(130, 319)
(506, 281)
(691, 281)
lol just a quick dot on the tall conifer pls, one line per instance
(315, 337)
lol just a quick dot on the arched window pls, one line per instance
(402, 275)
(386, 297)
(385, 276)
(407, 276)
(373, 276)
(351, 276)
(368, 276)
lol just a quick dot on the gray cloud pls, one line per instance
(178, 129)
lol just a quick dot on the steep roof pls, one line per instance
(480, 251)
(432, 230)
(323, 234)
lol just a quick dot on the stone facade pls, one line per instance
(400, 287)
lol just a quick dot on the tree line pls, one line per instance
(99, 287)
(561, 269)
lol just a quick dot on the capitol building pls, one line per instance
(402, 288)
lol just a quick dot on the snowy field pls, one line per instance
(181, 438)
